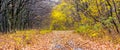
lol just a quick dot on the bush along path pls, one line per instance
(55, 40)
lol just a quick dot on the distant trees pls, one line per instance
(40, 13)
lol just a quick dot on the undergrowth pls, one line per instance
(25, 37)
(97, 33)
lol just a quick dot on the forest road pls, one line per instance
(68, 40)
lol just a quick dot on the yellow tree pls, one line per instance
(61, 16)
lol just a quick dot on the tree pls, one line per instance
(14, 15)
(91, 12)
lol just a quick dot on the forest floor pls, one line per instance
(55, 40)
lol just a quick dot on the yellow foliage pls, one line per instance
(93, 33)
(45, 31)
(18, 40)
(94, 10)
(58, 16)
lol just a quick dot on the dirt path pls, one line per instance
(62, 40)
(67, 40)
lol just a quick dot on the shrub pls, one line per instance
(90, 30)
